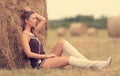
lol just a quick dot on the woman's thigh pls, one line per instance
(56, 62)
(58, 48)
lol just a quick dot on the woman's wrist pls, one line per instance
(42, 56)
(45, 56)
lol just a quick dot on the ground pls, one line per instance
(93, 47)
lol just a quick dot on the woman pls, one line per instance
(34, 50)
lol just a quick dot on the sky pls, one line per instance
(59, 9)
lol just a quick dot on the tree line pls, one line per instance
(90, 21)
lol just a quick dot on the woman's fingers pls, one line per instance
(51, 56)
(27, 8)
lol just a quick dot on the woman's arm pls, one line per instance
(29, 54)
(42, 21)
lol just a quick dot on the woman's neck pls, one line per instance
(27, 29)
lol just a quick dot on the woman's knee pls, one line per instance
(62, 41)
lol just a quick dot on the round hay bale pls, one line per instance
(61, 31)
(11, 53)
(77, 29)
(113, 25)
(92, 31)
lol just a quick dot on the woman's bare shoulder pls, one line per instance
(24, 37)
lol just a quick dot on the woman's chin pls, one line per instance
(33, 26)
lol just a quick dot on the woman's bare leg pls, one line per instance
(63, 45)
(58, 49)
(56, 62)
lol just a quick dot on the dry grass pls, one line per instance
(96, 48)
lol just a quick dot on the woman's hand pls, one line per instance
(50, 56)
(27, 8)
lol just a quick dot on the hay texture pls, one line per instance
(61, 31)
(113, 26)
(11, 54)
(77, 29)
(92, 31)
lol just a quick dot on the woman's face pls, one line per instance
(32, 20)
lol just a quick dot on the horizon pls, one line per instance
(71, 8)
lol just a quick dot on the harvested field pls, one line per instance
(93, 47)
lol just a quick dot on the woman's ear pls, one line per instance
(26, 21)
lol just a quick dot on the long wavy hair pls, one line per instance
(26, 15)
